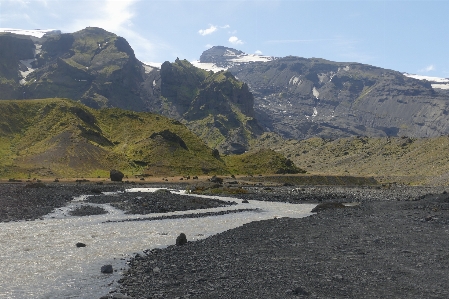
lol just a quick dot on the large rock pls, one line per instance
(181, 240)
(116, 175)
(107, 269)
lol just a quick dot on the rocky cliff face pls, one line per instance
(92, 65)
(13, 49)
(216, 106)
(301, 98)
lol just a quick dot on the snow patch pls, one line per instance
(295, 80)
(441, 83)
(440, 86)
(153, 64)
(245, 58)
(208, 66)
(315, 92)
(34, 32)
(428, 78)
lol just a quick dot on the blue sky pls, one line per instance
(407, 36)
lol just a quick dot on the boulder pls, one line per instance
(116, 175)
(107, 269)
(216, 179)
(181, 240)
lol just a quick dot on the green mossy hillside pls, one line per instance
(92, 65)
(387, 159)
(260, 162)
(62, 138)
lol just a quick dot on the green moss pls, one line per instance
(262, 161)
(73, 140)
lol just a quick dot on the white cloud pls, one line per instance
(258, 52)
(111, 15)
(114, 16)
(208, 46)
(235, 40)
(428, 68)
(208, 31)
(225, 27)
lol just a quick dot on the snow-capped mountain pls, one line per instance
(219, 58)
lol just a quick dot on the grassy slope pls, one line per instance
(400, 159)
(63, 138)
(57, 137)
(260, 162)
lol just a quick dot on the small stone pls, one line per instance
(181, 239)
(79, 244)
(300, 291)
(107, 269)
(245, 201)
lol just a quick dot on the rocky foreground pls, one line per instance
(394, 244)
(389, 243)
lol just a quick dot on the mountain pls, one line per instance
(301, 98)
(216, 106)
(100, 69)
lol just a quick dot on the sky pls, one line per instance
(402, 35)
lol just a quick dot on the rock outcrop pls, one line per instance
(215, 106)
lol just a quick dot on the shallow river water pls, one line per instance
(39, 259)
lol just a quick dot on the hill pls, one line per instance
(387, 159)
(58, 137)
(63, 138)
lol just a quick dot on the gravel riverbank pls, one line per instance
(394, 244)
(390, 243)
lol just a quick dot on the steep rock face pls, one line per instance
(13, 48)
(216, 106)
(301, 98)
(91, 65)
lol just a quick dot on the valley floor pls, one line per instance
(390, 243)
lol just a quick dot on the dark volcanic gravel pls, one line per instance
(158, 202)
(88, 210)
(19, 201)
(393, 244)
(394, 248)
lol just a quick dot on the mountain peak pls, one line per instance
(220, 58)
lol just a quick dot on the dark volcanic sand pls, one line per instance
(380, 249)
(395, 244)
